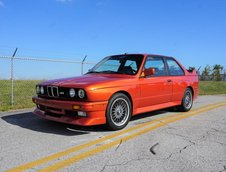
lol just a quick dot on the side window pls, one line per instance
(174, 68)
(158, 64)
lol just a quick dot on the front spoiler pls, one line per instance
(95, 111)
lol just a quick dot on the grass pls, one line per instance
(25, 89)
(212, 87)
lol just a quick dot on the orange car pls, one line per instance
(117, 88)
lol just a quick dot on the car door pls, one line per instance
(155, 89)
(178, 78)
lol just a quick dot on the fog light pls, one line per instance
(83, 114)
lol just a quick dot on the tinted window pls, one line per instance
(120, 64)
(174, 68)
(132, 64)
(157, 63)
(111, 65)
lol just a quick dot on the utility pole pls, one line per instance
(82, 64)
(12, 80)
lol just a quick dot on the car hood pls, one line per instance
(92, 81)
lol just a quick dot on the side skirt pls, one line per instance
(156, 107)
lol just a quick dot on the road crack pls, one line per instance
(152, 148)
(181, 150)
(106, 164)
(118, 145)
(185, 147)
(123, 163)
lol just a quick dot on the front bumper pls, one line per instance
(63, 111)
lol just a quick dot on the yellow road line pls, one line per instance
(94, 142)
(106, 146)
(71, 150)
(192, 113)
(99, 149)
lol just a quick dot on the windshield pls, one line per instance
(120, 64)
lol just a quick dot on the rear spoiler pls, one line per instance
(193, 71)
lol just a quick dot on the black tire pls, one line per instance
(187, 101)
(119, 111)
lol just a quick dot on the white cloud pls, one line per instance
(64, 1)
(1, 4)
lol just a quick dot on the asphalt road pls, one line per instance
(157, 141)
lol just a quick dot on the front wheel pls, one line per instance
(187, 101)
(118, 111)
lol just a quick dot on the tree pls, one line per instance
(206, 73)
(217, 70)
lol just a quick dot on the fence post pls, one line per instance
(82, 64)
(12, 79)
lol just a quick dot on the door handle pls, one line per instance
(169, 80)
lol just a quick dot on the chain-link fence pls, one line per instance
(220, 77)
(19, 75)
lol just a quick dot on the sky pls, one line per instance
(193, 31)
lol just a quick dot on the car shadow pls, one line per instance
(35, 123)
(32, 122)
(152, 113)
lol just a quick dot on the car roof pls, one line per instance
(144, 54)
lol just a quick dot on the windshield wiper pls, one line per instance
(93, 72)
(108, 71)
(105, 71)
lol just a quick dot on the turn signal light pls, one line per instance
(75, 107)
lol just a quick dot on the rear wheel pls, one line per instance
(187, 101)
(118, 112)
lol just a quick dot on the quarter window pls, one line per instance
(174, 68)
(157, 63)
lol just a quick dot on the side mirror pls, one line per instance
(148, 72)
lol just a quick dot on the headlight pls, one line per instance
(81, 93)
(72, 92)
(37, 89)
(41, 90)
